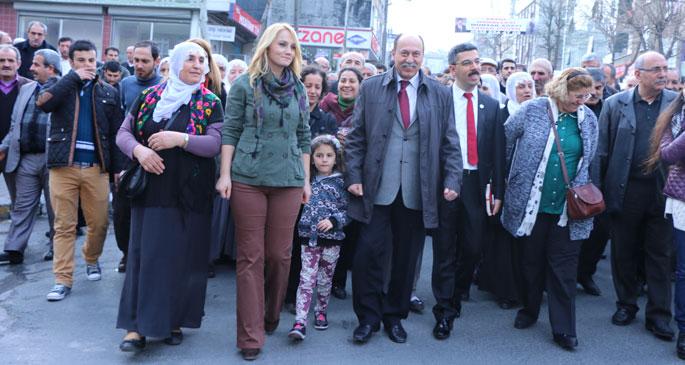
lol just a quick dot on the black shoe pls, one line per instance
(523, 321)
(680, 345)
(442, 329)
(122, 265)
(79, 232)
(339, 292)
(416, 305)
(396, 333)
(507, 303)
(175, 339)
(11, 257)
(132, 345)
(49, 254)
(363, 333)
(590, 287)
(622, 317)
(250, 354)
(566, 342)
(661, 329)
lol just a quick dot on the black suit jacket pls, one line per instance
(491, 145)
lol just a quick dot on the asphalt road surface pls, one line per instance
(81, 328)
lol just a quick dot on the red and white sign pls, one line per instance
(241, 17)
(335, 37)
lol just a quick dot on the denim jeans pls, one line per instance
(679, 239)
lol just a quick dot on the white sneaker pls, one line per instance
(93, 272)
(58, 292)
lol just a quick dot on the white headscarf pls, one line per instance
(221, 60)
(492, 83)
(512, 82)
(234, 63)
(177, 92)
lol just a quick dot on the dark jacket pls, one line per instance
(62, 100)
(365, 147)
(27, 52)
(328, 201)
(321, 122)
(491, 145)
(616, 143)
(673, 155)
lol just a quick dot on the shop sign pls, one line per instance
(240, 16)
(220, 33)
(335, 37)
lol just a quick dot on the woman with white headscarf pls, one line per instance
(234, 69)
(173, 131)
(490, 85)
(520, 88)
(163, 68)
(500, 270)
(222, 63)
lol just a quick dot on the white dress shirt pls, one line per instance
(412, 89)
(460, 104)
(66, 67)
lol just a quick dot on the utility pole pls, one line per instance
(347, 14)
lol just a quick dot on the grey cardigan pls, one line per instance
(528, 131)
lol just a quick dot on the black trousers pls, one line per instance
(592, 248)
(121, 219)
(549, 261)
(641, 225)
(405, 227)
(347, 253)
(457, 246)
(295, 265)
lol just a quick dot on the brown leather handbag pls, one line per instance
(582, 202)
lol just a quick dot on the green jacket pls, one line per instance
(274, 157)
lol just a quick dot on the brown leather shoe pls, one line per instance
(249, 354)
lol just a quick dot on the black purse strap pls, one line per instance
(560, 152)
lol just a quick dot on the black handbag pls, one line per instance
(133, 180)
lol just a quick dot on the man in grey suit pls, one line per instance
(24, 150)
(402, 156)
(634, 198)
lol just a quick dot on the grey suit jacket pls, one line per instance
(440, 164)
(10, 144)
(616, 144)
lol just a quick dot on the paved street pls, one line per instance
(81, 330)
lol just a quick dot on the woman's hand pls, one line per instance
(223, 186)
(325, 225)
(306, 192)
(149, 159)
(166, 139)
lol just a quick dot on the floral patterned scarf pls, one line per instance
(201, 105)
(281, 91)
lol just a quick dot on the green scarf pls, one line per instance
(345, 104)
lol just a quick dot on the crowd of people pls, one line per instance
(301, 174)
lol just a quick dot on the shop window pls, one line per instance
(90, 29)
(127, 32)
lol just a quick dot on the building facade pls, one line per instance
(121, 23)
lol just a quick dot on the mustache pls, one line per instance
(474, 72)
(409, 64)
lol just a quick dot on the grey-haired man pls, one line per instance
(23, 150)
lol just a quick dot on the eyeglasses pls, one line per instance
(655, 70)
(582, 98)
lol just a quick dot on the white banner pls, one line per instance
(220, 33)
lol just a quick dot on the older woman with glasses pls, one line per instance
(535, 201)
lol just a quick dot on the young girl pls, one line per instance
(321, 232)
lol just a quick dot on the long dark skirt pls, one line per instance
(500, 271)
(223, 230)
(166, 273)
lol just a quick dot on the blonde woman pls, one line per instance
(535, 205)
(265, 172)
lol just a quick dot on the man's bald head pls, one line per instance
(408, 35)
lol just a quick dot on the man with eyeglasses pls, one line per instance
(35, 40)
(634, 198)
(457, 243)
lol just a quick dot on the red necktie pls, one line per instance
(404, 103)
(471, 140)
